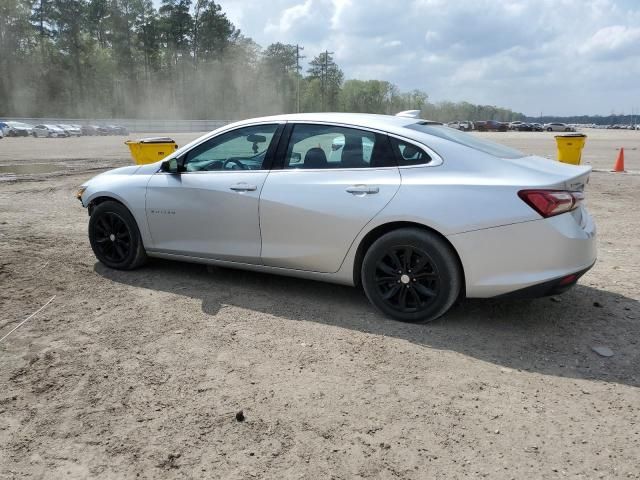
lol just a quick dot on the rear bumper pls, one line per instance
(537, 255)
(545, 289)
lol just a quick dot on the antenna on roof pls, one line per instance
(409, 114)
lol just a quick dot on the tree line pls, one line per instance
(185, 59)
(612, 119)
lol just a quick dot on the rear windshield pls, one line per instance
(467, 140)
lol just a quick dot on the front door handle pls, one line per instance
(243, 187)
(362, 189)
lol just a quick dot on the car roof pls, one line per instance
(366, 120)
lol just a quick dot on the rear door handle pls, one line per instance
(243, 187)
(362, 189)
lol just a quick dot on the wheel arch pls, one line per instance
(94, 202)
(385, 228)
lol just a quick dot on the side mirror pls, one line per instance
(170, 166)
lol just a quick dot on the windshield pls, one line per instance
(467, 140)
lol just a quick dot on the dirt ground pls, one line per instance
(140, 374)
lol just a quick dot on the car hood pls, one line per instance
(130, 170)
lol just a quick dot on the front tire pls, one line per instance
(411, 275)
(115, 238)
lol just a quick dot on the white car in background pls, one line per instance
(49, 131)
(417, 213)
(362, 151)
(72, 130)
(558, 127)
(18, 129)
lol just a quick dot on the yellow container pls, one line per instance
(570, 147)
(150, 150)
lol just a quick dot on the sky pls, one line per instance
(549, 57)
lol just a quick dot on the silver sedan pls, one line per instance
(417, 213)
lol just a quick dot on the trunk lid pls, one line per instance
(553, 174)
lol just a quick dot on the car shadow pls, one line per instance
(552, 336)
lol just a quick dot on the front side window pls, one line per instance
(329, 147)
(240, 149)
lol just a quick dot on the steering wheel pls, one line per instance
(236, 162)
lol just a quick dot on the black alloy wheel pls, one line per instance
(407, 278)
(411, 275)
(114, 236)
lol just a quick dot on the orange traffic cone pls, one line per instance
(619, 166)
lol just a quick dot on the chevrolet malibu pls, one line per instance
(416, 213)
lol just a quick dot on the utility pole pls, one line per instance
(325, 75)
(298, 57)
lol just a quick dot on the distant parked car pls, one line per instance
(464, 126)
(558, 127)
(4, 129)
(523, 127)
(95, 130)
(491, 126)
(1, 134)
(339, 152)
(72, 130)
(89, 130)
(49, 131)
(19, 129)
(116, 130)
(537, 127)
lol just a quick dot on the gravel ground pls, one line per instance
(141, 374)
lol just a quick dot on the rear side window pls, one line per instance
(408, 154)
(330, 146)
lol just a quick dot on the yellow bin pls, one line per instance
(150, 150)
(570, 147)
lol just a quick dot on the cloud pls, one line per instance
(554, 56)
(613, 42)
(290, 18)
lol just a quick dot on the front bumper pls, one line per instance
(501, 260)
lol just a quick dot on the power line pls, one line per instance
(325, 74)
(298, 67)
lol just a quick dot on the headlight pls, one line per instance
(81, 190)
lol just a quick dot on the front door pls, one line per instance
(210, 209)
(332, 181)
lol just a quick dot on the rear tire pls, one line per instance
(115, 238)
(411, 275)
(549, 129)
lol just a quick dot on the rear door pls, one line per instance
(210, 209)
(329, 181)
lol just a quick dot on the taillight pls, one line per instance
(551, 202)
